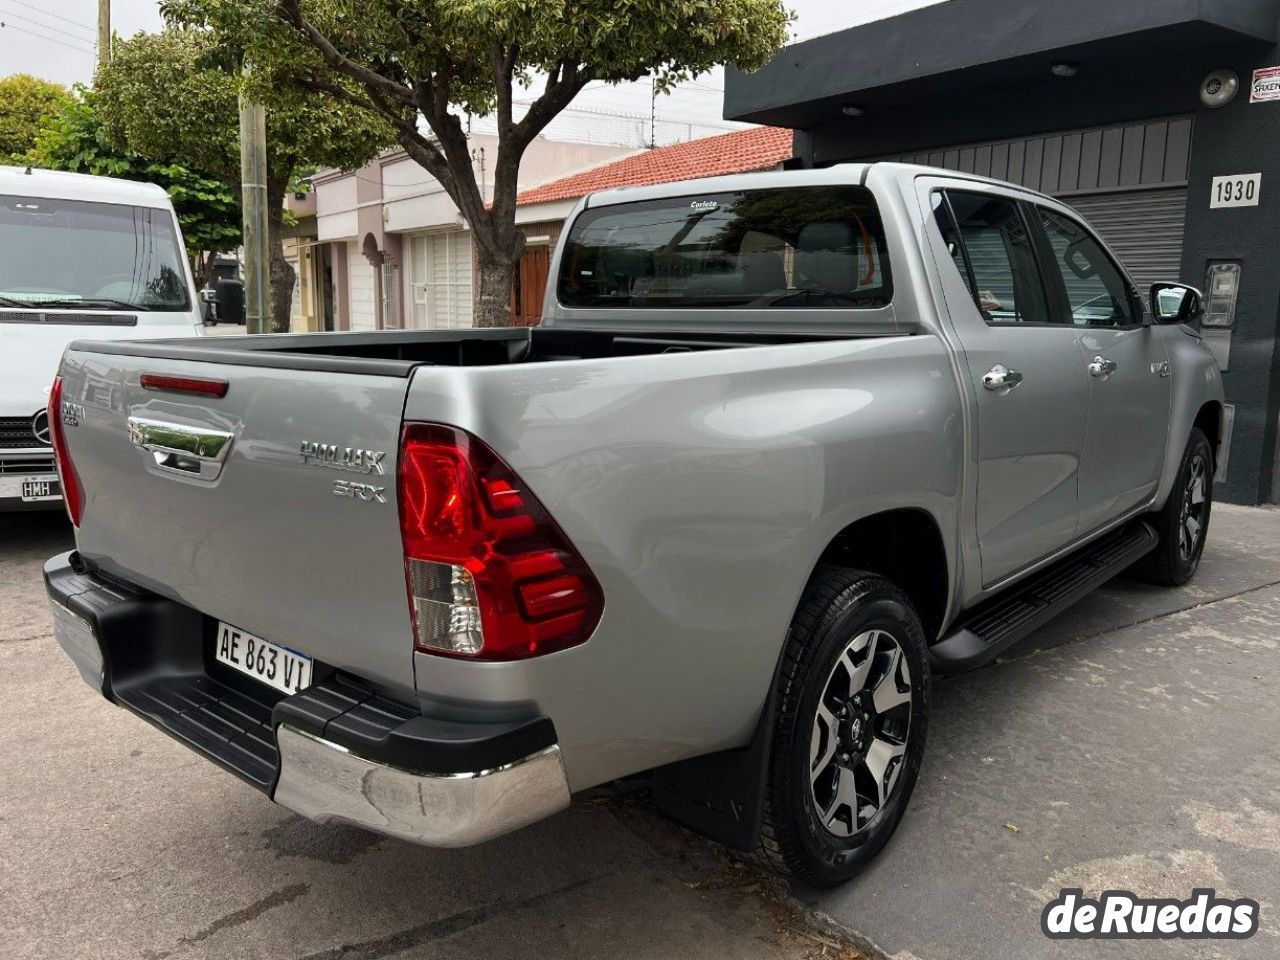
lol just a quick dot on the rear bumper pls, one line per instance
(336, 752)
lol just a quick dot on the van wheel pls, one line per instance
(849, 729)
(1183, 523)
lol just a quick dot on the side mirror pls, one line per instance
(1176, 303)
(208, 295)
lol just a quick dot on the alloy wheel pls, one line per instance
(1194, 507)
(859, 740)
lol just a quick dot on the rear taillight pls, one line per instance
(72, 492)
(490, 575)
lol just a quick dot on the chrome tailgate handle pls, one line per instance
(177, 448)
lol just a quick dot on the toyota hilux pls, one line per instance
(784, 446)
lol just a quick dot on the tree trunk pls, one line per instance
(493, 290)
(282, 275)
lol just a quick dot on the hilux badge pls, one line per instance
(353, 459)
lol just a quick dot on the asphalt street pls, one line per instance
(1135, 744)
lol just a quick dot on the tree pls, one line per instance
(442, 60)
(26, 104)
(208, 211)
(197, 119)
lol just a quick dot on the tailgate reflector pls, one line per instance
(72, 491)
(194, 385)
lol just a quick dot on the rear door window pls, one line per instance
(786, 248)
(992, 247)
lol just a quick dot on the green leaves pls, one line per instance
(73, 139)
(176, 94)
(26, 104)
(418, 68)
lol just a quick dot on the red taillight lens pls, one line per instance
(490, 575)
(72, 492)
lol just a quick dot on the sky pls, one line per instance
(56, 39)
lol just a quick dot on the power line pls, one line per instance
(44, 36)
(75, 23)
(44, 26)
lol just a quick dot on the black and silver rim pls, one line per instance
(859, 740)
(1195, 504)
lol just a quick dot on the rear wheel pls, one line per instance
(1184, 521)
(849, 729)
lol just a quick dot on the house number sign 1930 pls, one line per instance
(1240, 190)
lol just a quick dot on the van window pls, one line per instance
(71, 253)
(790, 247)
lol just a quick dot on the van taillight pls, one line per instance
(490, 574)
(72, 492)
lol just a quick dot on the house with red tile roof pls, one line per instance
(542, 209)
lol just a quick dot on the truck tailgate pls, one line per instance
(269, 540)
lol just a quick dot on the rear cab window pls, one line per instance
(777, 248)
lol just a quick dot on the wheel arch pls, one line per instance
(721, 795)
(1209, 421)
(906, 547)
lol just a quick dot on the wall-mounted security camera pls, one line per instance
(1219, 88)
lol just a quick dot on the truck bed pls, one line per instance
(396, 353)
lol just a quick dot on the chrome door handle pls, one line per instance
(1102, 368)
(1001, 380)
(177, 448)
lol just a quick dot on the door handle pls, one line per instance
(1001, 380)
(1101, 368)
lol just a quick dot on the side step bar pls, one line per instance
(994, 626)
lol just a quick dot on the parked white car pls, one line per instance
(81, 258)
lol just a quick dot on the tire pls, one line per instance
(1177, 557)
(848, 626)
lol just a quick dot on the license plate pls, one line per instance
(35, 489)
(276, 666)
(30, 489)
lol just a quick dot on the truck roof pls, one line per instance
(840, 173)
(59, 185)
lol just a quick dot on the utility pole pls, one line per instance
(653, 112)
(104, 31)
(253, 203)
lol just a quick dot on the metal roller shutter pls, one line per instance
(1143, 227)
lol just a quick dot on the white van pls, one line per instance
(81, 258)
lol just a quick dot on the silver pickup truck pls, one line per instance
(784, 446)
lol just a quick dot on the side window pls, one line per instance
(1097, 291)
(989, 242)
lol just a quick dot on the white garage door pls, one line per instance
(360, 288)
(440, 280)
